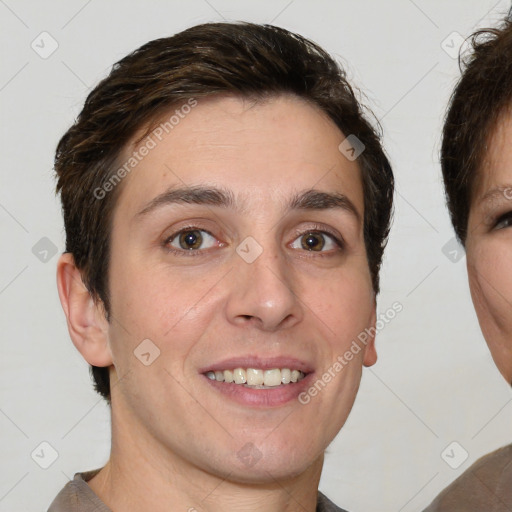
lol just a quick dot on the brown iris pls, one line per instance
(312, 242)
(190, 239)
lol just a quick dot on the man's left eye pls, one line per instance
(192, 239)
(315, 241)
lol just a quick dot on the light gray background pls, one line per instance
(435, 381)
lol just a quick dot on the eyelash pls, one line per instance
(501, 218)
(338, 240)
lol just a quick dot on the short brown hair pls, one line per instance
(482, 94)
(242, 59)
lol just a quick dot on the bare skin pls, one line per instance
(178, 441)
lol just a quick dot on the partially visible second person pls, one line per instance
(476, 159)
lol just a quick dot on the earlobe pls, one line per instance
(86, 321)
(370, 353)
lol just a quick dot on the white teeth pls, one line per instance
(272, 377)
(239, 376)
(295, 375)
(256, 377)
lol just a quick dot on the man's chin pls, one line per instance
(255, 467)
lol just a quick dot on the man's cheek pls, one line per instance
(342, 311)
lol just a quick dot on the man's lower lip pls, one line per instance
(271, 397)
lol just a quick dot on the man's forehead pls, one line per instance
(254, 173)
(227, 118)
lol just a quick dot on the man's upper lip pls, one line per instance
(258, 362)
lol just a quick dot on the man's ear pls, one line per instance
(86, 320)
(370, 353)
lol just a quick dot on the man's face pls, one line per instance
(489, 248)
(260, 264)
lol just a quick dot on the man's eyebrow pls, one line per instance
(214, 196)
(190, 195)
(317, 200)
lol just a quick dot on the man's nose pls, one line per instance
(263, 288)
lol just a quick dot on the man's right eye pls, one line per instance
(190, 240)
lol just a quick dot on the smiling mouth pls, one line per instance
(256, 378)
